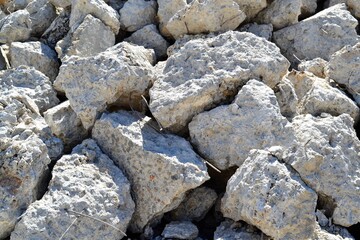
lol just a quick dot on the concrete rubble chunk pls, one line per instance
(226, 134)
(260, 30)
(207, 71)
(180, 230)
(57, 29)
(30, 82)
(281, 13)
(14, 5)
(166, 10)
(308, 7)
(302, 93)
(353, 5)
(15, 27)
(316, 66)
(344, 68)
(266, 193)
(331, 29)
(327, 160)
(230, 230)
(85, 183)
(149, 37)
(204, 17)
(251, 7)
(97, 8)
(37, 55)
(65, 124)
(160, 167)
(195, 206)
(83, 42)
(135, 14)
(117, 76)
(42, 13)
(328, 231)
(61, 3)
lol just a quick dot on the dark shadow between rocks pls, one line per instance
(326, 203)
(354, 230)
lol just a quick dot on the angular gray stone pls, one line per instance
(204, 17)
(91, 37)
(135, 14)
(354, 5)
(230, 230)
(37, 55)
(316, 66)
(58, 28)
(204, 72)
(149, 37)
(118, 76)
(30, 82)
(160, 167)
(226, 134)
(195, 206)
(251, 8)
(15, 27)
(97, 8)
(267, 194)
(15, 5)
(180, 230)
(327, 159)
(332, 233)
(302, 93)
(281, 13)
(344, 68)
(65, 124)
(331, 29)
(86, 182)
(60, 3)
(308, 7)
(260, 30)
(42, 13)
(166, 10)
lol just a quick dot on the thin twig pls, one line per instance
(212, 166)
(73, 222)
(96, 219)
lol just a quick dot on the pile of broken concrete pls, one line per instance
(179, 119)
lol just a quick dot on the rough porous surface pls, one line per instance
(42, 13)
(125, 73)
(205, 72)
(106, 198)
(354, 5)
(302, 93)
(331, 29)
(344, 68)
(226, 134)
(180, 230)
(260, 30)
(230, 230)
(160, 167)
(37, 55)
(15, 27)
(316, 66)
(267, 194)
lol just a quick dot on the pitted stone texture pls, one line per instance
(97, 8)
(87, 182)
(265, 193)
(331, 29)
(37, 55)
(302, 93)
(119, 75)
(204, 17)
(180, 230)
(160, 167)
(14, 5)
(308, 7)
(344, 68)
(260, 30)
(316, 66)
(230, 230)
(354, 5)
(91, 37)
(281, 13)
(327, 159)
(15, 27)
(58, 28)
(166, 10)
(149, 37)
(60, 3)
(23, 156)
(195, 206)
(204, 72)
(65, 124)
(135, 14)
(251, 7)
(226, 134)
(42, 13)
(30, 82)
